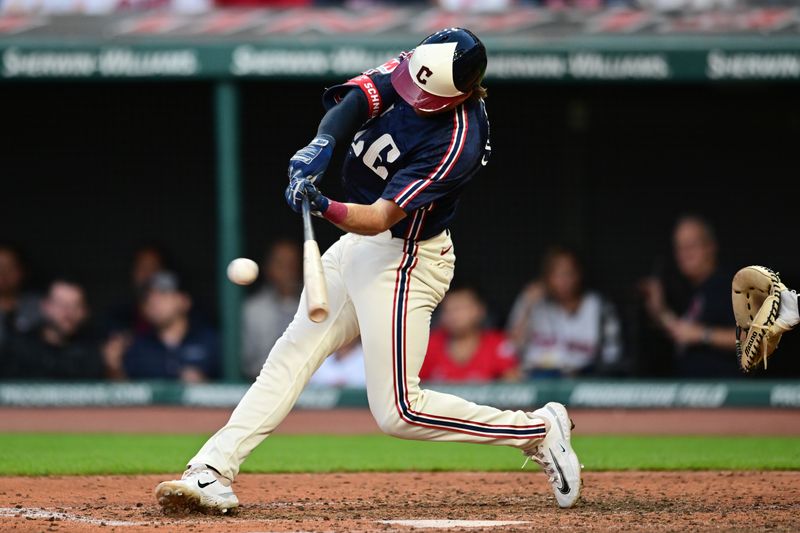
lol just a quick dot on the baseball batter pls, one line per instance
(416, 132)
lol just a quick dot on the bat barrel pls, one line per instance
(313, 273)
(314, 280)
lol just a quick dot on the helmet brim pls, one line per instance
(414, 95)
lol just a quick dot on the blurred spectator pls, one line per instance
(694, 309)
(60, 348)
(461, 348)
(19, 311)
(128, 317)
(559, 328)
(269, 311)
(344, 368)
(177, 347)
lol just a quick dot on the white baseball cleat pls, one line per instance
(555, 455)
(199, 489)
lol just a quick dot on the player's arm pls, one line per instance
(338, 126)
(343, 120)
(366, 219)
(349, 106)
(687, 332)
(353, 218)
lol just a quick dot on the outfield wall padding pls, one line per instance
(576, 393)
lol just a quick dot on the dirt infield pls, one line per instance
(741, 501)
(356, 421)
(694, 501)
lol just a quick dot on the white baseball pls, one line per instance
(242, 271)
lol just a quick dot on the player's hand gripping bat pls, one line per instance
(313, 276)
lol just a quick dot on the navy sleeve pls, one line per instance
(439, 167)
(375, 84)
(343, 120)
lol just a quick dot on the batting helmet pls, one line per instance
(441, 70)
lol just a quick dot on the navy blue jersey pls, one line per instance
(420, 163)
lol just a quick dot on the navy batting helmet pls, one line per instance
(441, 70)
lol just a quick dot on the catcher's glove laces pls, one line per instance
(764, 353)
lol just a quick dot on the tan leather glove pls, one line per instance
(756, 302)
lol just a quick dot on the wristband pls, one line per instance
(336, 212)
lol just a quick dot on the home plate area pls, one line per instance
(381, 502)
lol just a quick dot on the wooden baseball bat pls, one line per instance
(313, 276)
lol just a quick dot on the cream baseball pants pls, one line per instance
(384, 289)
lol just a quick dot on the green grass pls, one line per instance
(42, 454)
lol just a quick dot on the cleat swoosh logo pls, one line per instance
(564, 489)
(204, 485)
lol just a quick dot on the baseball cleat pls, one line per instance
(555, 455)
(200, 489)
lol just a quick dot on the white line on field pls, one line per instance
(44, 514)
(444, 524)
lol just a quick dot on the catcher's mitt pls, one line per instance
(756, 303)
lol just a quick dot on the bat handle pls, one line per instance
(308, 229)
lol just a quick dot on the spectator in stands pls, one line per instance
(462, 348)
(559, 328)
(694, 308)
(19, 310)
(268, 312)
(177, 346)
(345, 368)
(60, 348)
(128, 317)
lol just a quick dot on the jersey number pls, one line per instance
(373, 156)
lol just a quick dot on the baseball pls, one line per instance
(242, 271)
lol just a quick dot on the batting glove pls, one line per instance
(294, 194)
(310, 162)
(300, 187)
(318, 202)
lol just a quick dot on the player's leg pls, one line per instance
(290, 364)
(395, 289)
(395, 294)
